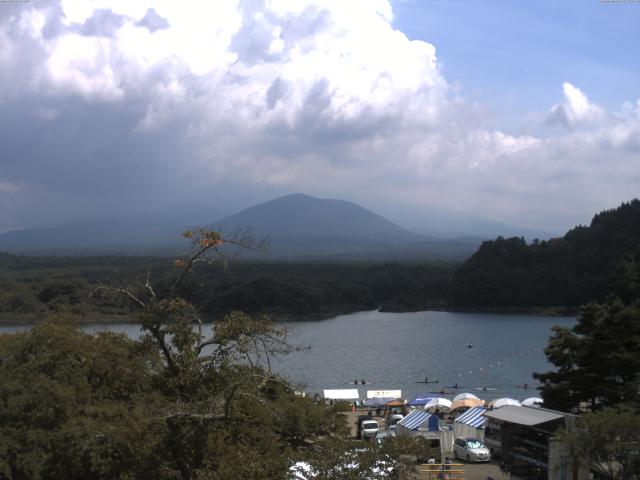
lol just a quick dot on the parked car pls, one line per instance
(392, 421)
(367, 427)
(471, 450)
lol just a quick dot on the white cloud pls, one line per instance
(575, 109)
(322, 96)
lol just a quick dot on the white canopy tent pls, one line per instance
(342, 394)
(532, 402)
(463, 396)
(502, 402)
(438, 403)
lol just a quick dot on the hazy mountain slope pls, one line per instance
(136, 234)
(303, 217)
(298, 226)
(307, 228)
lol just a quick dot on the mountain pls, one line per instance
(148, 233)
(304, 217)
(303, 227)
(567, 271)
(299, 227)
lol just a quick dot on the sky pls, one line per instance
(527, 113)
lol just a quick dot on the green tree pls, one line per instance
(176, 404)
(608, 441)
(598, 360)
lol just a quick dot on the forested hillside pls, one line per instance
(567, 271)
(33, 287)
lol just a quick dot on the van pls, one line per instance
(367, 427)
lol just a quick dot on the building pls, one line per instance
(525, 440)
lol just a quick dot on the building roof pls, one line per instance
(528, 416)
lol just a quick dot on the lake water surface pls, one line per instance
(396, 350)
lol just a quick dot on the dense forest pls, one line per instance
(562, 272)
(33, 287)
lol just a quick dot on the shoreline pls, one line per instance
(34, 319)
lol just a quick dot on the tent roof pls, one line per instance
(462, 396)
(421, 399)
(378, 401)
(524, 415)
(438, 402)
(473, 417)
(415, 419)
(344, 394)
(466, 402)
(532, 402)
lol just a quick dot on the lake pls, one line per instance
(396, 350)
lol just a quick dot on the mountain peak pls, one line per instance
(302, 216)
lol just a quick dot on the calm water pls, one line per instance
(396, 350)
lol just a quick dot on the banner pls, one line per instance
(384, 393)
(347, 394)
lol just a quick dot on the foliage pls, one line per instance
(568, 271)
(598, 360)
(609, 440)
(31, 287)
(175, 404)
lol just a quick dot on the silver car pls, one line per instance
(471, 450)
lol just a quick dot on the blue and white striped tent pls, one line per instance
(470, 424)
(419, 419)
(474, 417)
(421, 400)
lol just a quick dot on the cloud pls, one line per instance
(575, 109)
(115, 105)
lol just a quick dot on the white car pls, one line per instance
(393, 421)
(369, 428)
(471, 450)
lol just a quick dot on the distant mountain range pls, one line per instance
(298, 227)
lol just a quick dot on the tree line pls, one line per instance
(562, 272)
(33, 287)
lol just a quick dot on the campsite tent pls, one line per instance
(438, 403)
(421, 400)
(532, 402)
(462, 396)
(378, 401)
(343, 394)
(501, 402)
(470, 424)
(466, 403)
(418, 421)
